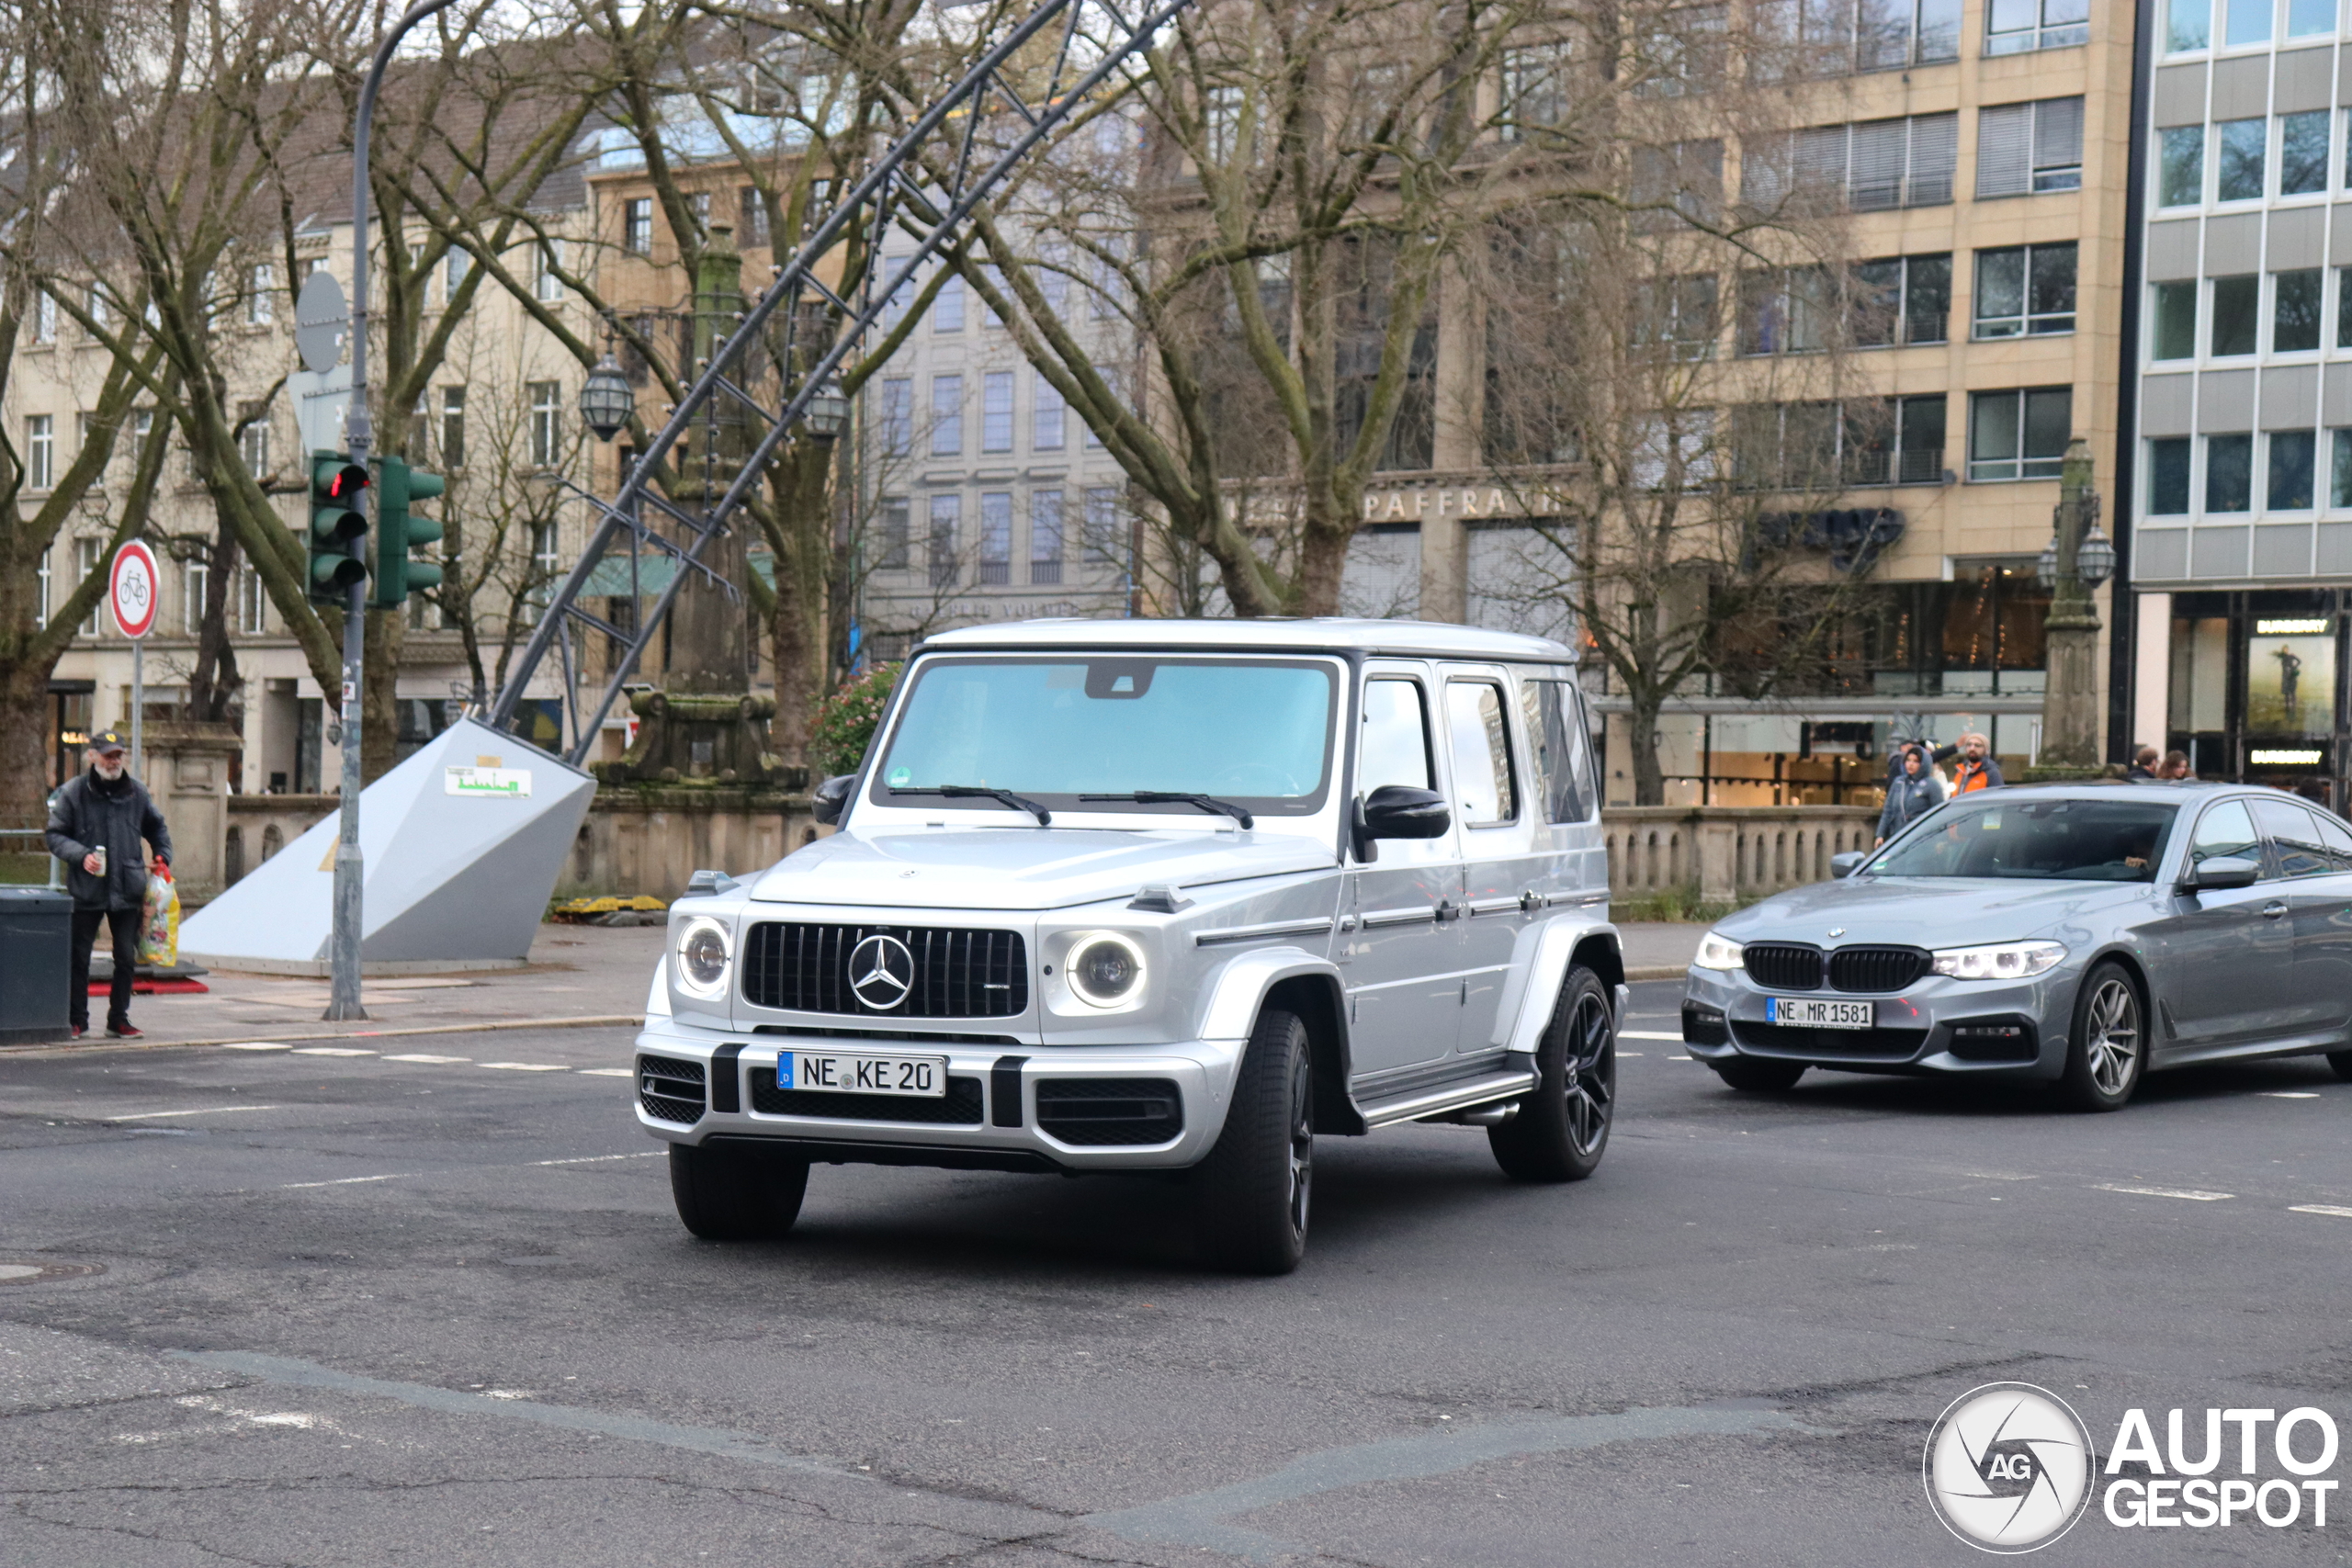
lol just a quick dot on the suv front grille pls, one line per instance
(959, 1107)
(1101, 1111)
(670, 1088)
(1876, 968)
(1783, 967)
(957, 974)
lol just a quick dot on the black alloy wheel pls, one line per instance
(1562, 1127)
(1253, 1194)
(727, 1192)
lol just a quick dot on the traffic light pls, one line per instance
(338, 527)
(399, 531)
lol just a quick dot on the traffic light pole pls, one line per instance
(343, 1000)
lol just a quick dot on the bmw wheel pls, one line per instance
(2107, 1051)
(726, 1192)
(1757, 1074)
(1251, 1194)
(1562, 1127)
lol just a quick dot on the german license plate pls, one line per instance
(854, 1072)
(1818, 1012)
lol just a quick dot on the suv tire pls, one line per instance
(2102, 1073)
(2342, 1062)
(736, 1194)
(1251, 1195)
(1562, 1127)
(1754, 1075)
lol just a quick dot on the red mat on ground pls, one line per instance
(152, 987)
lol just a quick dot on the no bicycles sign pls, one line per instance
(133, 588)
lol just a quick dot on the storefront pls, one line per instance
(2253, 694)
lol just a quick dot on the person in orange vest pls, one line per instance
(1976, 770)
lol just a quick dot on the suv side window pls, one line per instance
(2224, 832)
(1563, 761)
(1481, 735)
(1395, 749)
(2294, 839)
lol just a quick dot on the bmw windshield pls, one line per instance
(2067, 839)
(1257, 733)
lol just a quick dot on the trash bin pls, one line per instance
(36, 965)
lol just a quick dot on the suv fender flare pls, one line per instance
(1239, 992)
(1539, 963)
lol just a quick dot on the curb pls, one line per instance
(1657, 972)
(608, 1021)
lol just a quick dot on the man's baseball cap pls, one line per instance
(107, 740)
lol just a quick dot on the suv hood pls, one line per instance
(1927, 912)
(1013, 868)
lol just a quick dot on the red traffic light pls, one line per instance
(332, 479)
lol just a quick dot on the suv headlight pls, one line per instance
(1106, 970)
(1717, 952)
(1999, 960)
(704, 954)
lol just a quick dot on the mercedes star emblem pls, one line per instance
(881, 972)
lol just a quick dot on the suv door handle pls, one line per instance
(2273, 909)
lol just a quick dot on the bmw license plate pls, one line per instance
(854, 1072)
(1818, 1012)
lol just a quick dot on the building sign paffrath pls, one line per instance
(1416, 502)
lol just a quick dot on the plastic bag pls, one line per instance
(159, 926)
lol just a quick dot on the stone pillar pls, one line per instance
(2070, 745)
(187, 778)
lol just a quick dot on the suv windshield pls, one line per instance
(2079, 841)
(1254, 731)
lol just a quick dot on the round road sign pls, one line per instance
(133, 588)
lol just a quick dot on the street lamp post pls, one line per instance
(2079, 558)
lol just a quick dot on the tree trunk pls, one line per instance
(1641, 721)
(378, 699)
(1322, 563)
(802, 544)
(23, 745)
(213, 684)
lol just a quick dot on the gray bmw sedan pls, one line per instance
(2080, 934)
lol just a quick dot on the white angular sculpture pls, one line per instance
(463, 844)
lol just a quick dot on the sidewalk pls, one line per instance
(1659, 950)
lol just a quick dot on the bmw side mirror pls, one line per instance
(1844, 864)
(827, 802)
(2224, 872)
(1399, 811)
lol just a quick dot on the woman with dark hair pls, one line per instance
(2175, 767)
(1911, 794)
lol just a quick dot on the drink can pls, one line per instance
(101, 852)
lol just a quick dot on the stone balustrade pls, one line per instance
(1727, 854)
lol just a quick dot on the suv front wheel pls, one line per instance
(727, 1194)
(1251, 1193)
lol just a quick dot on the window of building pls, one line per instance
(2025, 289)
(2238, 314)
(2020, 434)
(1876, 164)
(1535, 91)
(2173, 321)
(2013, 26)
(2294, 311)
(1891, 441)
(40, 451)
(253, 447)
(2027, 149)
(996, 538)
(2180, 165)
(195, 584)
(2340, 470)
(946, 416)
(453, 427)
(87, 556)
(2292, 454)
(698, 209)
(546, 565)
(2302, 152)
(546, 263)
(1045, 416)
(2169, 476)
(637, 225)
(1105, 539)
(2229, 473)
(545, 400)
(2305, 17)
(1829, 38)
(1675, 316)
(903, 299)
(947, 304)
(1046, 537)
(2189, 24)
(996, 411)
(44, 319)
(2238, 172)
(253, 603)
(2245, 21)
(2343, 307)
(895, 428)
(260, 297)
(752, 216)
(1784, 311)
(895, 546)
(944, 518)
(42, 586)
(1900, 299)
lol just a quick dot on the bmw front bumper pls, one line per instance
(2014, 1029)
(1008, 1107)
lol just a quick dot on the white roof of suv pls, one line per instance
(1438, 639)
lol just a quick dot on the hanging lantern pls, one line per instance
(2045, 570)
(605, 401)
(828, 410)
(2095, 558)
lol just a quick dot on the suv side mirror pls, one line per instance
(2223, 871)
(827, 801)
(1400, 811)
(1844, 864)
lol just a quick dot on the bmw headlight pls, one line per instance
(1999, 960)
(703, 952)
(1717, 952)
(1105, 970)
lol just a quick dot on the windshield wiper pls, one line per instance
(1178, 797)
(967, 792)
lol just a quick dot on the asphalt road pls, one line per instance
(357, 1310)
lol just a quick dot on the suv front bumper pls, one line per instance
(1008, 1107)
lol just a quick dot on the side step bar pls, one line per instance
(1450, 1097)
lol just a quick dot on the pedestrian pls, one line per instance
(1976, 770)
(96, 826)
(2174, 769)
(2145, 762)
(1915, 791)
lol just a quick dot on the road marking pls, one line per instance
(2290, 1094)
(1199, 1520)
(527, 1066)
(208, 1111)
(347, 1181)
(2192, 1194)
(608, 1072)
(255, 1046)
(330, 1051)
(1629, 1052)
(1648, 1034)
(435, 1061)
(593, 1159)
(2333, 1211)
(1678, 1058)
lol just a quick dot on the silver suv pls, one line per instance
(1160, 896)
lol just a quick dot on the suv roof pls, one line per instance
(1318, 634)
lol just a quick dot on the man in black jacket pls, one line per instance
(96, 826)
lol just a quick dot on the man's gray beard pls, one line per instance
(108, 772)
